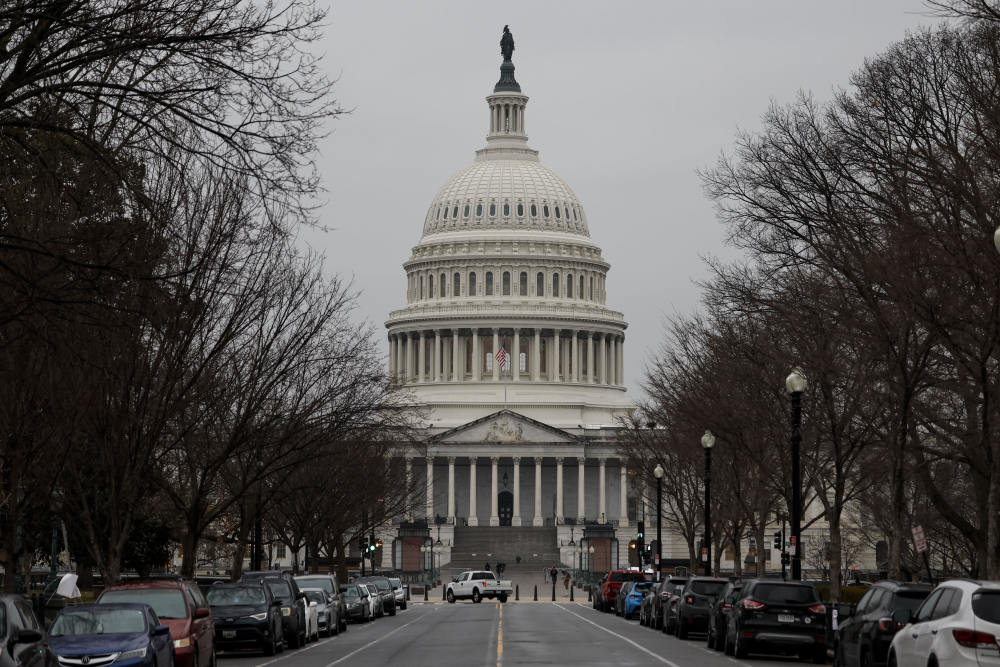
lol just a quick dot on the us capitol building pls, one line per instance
(507, 342)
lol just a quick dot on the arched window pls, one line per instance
(524, 283)
(540, 284)
(506, 209)
(466, 214)
(545, 210)
(506, 283)
(443, 291)
(591, 288)
(579, 293)
(493, 210)
(557, 212)
(421, 287)
(534, 211)
(472, 284)
(454, 211)
(489, 283)
(574, 213)
(445, 212)
(569, 286)
(555, 284)
(520, 210)
(456, 285)
(430, 286)
(439, 213)
(479, 210)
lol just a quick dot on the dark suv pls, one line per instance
(246, 616)
(293, 603)
(864, 634)
(718, 614)
(780, 616)
(386, 596)
(692, 607)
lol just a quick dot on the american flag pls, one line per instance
(501, 357)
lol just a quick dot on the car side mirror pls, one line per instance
(26, 636)
(902, 617)
(161, 630)
(204, 612)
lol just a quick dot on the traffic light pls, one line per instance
(777, 541)
(363, 545)
(641, 532)
(785, 558)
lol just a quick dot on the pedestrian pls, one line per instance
(487, 566)
(545, 575)
(566, 580)
(502, 568)
(517, 559)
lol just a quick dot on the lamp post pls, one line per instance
(707, 442)
(424, 549)
(795, 384)
(438, 548)
(590, 577)
(658, 474)
(579, 562)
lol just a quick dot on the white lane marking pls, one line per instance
(622, 637)
(375, 641)
(297, 652)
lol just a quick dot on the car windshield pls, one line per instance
(986, 605)
(234, 597)
(909, 599)
(94, 621)
(383, 585)
(280, 590)
(352, 592)
(707, 587)
(315, 582)
(789, 593)
(627, 576)
(167, 603)
(396, 583)
(642, 586)
(316, 596)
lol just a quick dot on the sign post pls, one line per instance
(920, 546)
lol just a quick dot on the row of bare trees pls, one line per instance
(867, 228)
(170, 357)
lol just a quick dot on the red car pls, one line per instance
(181, 606)
(605, 598)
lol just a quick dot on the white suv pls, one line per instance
(958, 624)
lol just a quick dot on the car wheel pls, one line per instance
(892, 660)
(710, 637)
(476, 597)
(866, 659)
(503, 598)
(270, 648)
(727, 648)
(819, 656)
(392, 610)
(740, 648)
(682, 632)
(451, 597)
(720, 641)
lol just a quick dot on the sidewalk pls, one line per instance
(524, 587)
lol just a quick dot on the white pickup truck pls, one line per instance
(478, 584)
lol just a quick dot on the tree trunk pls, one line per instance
(189, 548)
(836, 556)
(341, 556)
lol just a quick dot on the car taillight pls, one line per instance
(689, 599)
(726, 605)
(973, 639)
(888, 625)
(752, 604)
(818, 609)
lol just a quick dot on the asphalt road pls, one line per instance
(516, 633)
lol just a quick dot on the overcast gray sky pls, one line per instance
(628, 99)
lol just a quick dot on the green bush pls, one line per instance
(849, 594)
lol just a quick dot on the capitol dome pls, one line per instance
(506, 293)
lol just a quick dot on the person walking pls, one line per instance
(487, 566)
(566, 580)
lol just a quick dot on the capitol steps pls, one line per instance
(475, 546)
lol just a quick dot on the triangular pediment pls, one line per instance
(505, 426)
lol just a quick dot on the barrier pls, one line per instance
(517, 592)
(536, 592)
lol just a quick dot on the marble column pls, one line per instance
(494, 511)
(590, 358)
(516, 519)
(456, 346)
(477, 358)
(575, 354)
(430, 489)
(539, 520)
(473, 510)
(623, 519)
(612, 361)
(451, 490)
(496, 347)
(436, 374)
(536, 356)
(602, 359)
(555, 356)
(409, 357)
(602, 499)
(559, 489)
(392, 356)
(401, 357)
(422, 359)
(621, 361)
(515, 357)
(581, 514)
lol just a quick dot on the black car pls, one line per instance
(691, 610)
(22, 635)
(384, 587)
(668, 604)
(718, 614)
(865, 633)
(293, 603)
(246, 615)
(335, 603)
(356, 604)
(778, 616)
(659, 601)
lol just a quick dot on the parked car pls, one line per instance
(718, 614)
(778, 616)
(22, 635)
(666, 603)
(865, 632)
(293, 603)
(620, 597)
(613, 580)
(691, 610)
(247, 615)
(102, 634)
(399, 592)
(377, 599)
(312, 619)
(388, 598)
(181, 606)
(318, 600)
(634, 597)
(328, 582)
(956, 625)
(358, 604)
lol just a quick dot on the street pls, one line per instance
(520, 633)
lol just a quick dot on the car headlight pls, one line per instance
(286, 611)
(134, 653)
(259, 617)
(182, 643)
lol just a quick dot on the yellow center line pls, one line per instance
(500, 637)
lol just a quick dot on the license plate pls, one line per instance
(229, 634)
(786, 618)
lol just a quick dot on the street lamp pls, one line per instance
(658, 474)
(578, 550)
(590, 578)
(438, 548)
(707, 442)
(424, 549)
(795, 384)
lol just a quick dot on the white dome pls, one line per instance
(506, 194)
